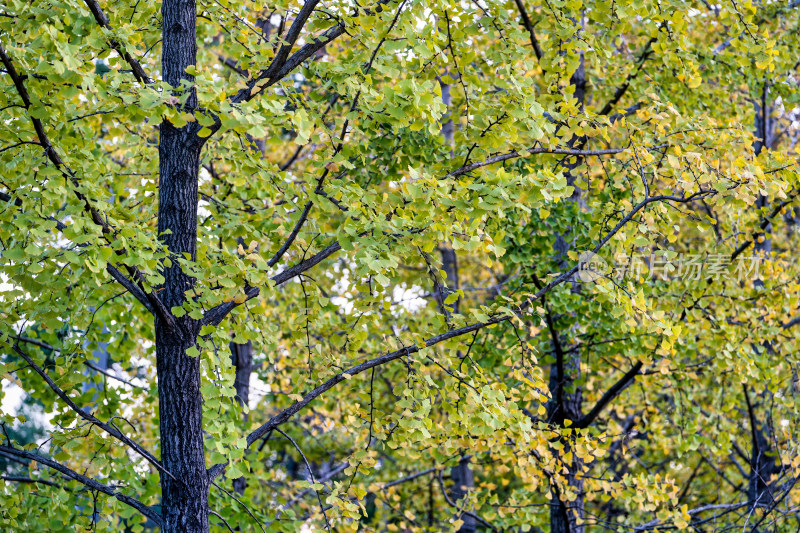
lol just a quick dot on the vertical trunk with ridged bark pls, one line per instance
(185, 491)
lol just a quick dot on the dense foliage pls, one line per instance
(492, 265)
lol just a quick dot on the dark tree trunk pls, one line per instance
(185, 491)
(462, 483)
(462, 476)
(764, 129)
(184, 504)
(242, 356)
(763, 463)
(568, 397)
(463, 479)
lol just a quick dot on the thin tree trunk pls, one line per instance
(242, 355)
(568, 404)
(461, 474)
(185, 491)
(764, 135)
(762, 461)
(462, 483)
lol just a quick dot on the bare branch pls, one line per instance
(223, 520)
(310, 473)
(19, 479)
(110, 375)
(692, 512)
(451, 503)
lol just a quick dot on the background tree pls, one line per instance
(333, 253)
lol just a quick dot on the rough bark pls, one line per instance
(185, 491)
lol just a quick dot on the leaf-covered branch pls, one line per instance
(103, 21)
(88, 482)
(109, 428)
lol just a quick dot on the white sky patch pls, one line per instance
(258, 390)
(12, 397)
(410, 298)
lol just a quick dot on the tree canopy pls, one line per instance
(416, 265)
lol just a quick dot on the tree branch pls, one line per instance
(452, 504)
(147, 511)
(292, 236)
(764, 223)
(310, 473)
(41, 344)
(526, 21)
(131, 286)
(19, 479)
(727, 507)
(102, 20)
(531, 151)
(291, 37)
(108, 428)
(620, 92)
(253, 88)
(275, 73)
(290, 411)
(215, 315)
(610, 394)
(110, 375)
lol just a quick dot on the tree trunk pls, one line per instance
(242, 355)
(463, 480)
(568, 404)
(764, 136)
(185, 491)
(462, 483)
